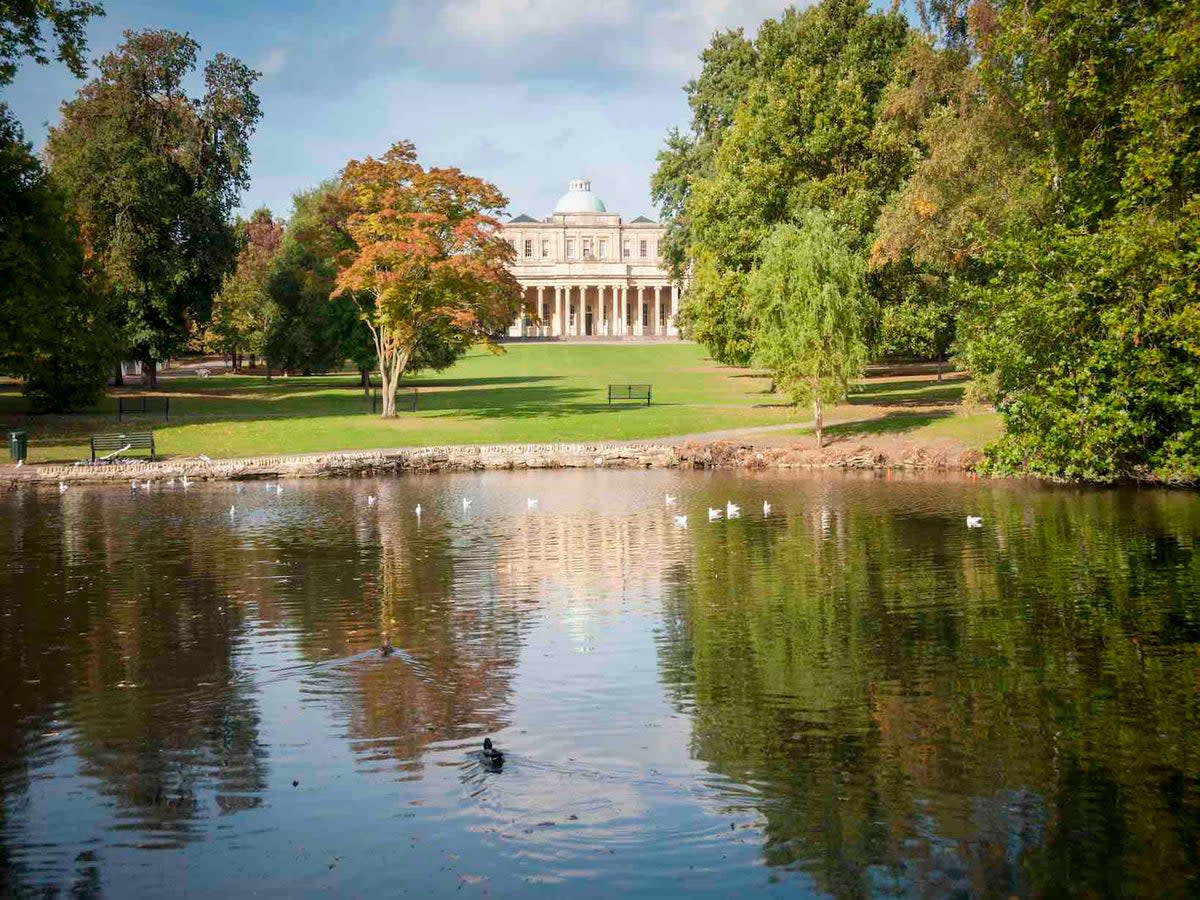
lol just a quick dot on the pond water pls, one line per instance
(856, 694)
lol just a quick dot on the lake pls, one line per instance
(855, 694)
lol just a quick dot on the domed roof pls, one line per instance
(579, 199)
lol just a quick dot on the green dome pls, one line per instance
(579, 199)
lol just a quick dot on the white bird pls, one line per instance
(681, 521)
(232, 510)
(732, 510)
(20, 462)
(766, 508)
(133, 486)
(278, 488)
(239, 488)
(670, 498)
(531, 503)
(149, 484)
(203, 458)
(974, 521)
(466, 503)
(417, 510)
(170, 482)
(713, 514)
(62, 487)
(370, 499)
(267, 486)
(184, 481)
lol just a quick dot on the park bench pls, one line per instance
(143, 405)
(404, 399)
(115, 444)
(628, 392)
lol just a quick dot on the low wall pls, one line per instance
(712, 454)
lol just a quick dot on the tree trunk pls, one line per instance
(150, 374)
(940, 367)
(365, 378)
(818, 421)
(118, 376)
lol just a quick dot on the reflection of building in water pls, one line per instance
(599, 554)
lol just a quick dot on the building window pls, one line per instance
(587, 247)
(545, 248)
(626, 251)
(570, 248)
(528, 249)
(603, 248)
(642, 249)
(645, 311)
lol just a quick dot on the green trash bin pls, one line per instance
(18, 445)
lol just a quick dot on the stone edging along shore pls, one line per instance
(608, 455)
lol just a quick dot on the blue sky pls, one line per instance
(526, 93)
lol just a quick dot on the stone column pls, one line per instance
(558, 311)
(619, 312)
(638, 331)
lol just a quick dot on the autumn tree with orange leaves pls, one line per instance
(427, 257)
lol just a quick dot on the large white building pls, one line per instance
(588, 273)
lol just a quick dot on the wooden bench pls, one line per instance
(143, 405)
(403, 399)
(115, 444)
(628, 392)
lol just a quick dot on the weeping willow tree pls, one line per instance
(811, 309)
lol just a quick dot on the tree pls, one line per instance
(242, 311)
(153, 175)
(21, 28)
(1086, 321)
(55, 321)
(427, 256)
(810, 301)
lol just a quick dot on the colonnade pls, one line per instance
(599, 310)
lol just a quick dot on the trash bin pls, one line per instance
(18, 445)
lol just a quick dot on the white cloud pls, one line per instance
(508, 23)
(272, 62)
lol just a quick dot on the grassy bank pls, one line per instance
(533, 393)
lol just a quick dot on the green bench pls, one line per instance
(629, 392)
(115, 444)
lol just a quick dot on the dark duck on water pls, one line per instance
(490, 756)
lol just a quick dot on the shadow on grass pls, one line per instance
(892, 423)
(909, 393)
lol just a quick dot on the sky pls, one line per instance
(526, 93)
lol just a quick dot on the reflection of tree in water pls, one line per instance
(923, 714)
(138, 674)
(463, 639)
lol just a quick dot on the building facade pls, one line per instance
(587, 273)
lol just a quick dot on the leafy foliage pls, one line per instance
(812, 308)
(157, 223)
(22, 23)
(56, 323)
(427, 256)
(242, 311)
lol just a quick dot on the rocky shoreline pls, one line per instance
(718, 454)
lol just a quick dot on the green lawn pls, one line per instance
(531, 393)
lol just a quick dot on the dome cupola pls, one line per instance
(579, 199)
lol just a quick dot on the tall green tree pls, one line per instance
(243, 312)
(1086, 322)
(56, 322)
(153, 175)
(810, 300)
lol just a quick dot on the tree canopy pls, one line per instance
(426, 256)
(157, 221)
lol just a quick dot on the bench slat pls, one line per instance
(133, 440)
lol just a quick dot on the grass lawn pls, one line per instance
(532, 393)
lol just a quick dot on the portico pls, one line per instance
(587, 273)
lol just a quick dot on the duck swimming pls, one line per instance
(491, 757)
(387, 649)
